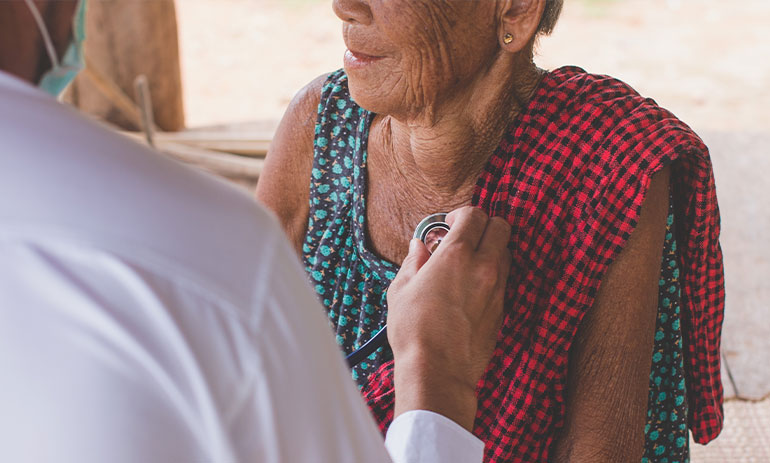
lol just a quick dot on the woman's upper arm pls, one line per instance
(610, 360)
(284, 185)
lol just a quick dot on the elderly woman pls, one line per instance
(609, 349)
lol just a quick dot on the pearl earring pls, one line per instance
(508, 38)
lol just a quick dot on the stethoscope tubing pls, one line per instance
(379, 340)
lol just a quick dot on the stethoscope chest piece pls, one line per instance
(431, 230)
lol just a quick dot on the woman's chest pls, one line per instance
(394, 208)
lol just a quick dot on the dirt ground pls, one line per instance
(706, 60)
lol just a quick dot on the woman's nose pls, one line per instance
(353, 11)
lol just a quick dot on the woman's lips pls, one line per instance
(355, 59)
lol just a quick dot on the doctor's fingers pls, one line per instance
(496, 236)
(492, 259)
(467, 225)
(417, 257)
(492, 316)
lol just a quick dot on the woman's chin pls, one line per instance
(365, 92)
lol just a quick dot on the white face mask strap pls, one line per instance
(44, 32)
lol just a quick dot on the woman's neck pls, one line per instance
(445, 147)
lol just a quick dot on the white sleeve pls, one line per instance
(421, 436)
(305, 405)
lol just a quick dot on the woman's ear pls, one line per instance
(519, 20)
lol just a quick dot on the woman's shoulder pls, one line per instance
(613, 119)
(572, 91)
(585, 88)
(284, 183)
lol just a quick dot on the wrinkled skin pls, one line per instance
(432, 51)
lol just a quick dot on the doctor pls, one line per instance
(152, 313)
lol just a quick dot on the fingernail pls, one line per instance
(413, 245)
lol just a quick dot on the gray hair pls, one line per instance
(550, 16)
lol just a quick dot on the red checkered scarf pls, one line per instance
(570, 176)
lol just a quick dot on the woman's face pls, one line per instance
(405, 57)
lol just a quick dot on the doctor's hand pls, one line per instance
(444, 314)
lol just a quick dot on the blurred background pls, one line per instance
(219, 73)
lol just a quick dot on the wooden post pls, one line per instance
(125, 39)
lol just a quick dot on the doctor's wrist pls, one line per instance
(424, 385)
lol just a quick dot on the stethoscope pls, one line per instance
(431, 230)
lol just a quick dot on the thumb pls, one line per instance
(418, 255)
